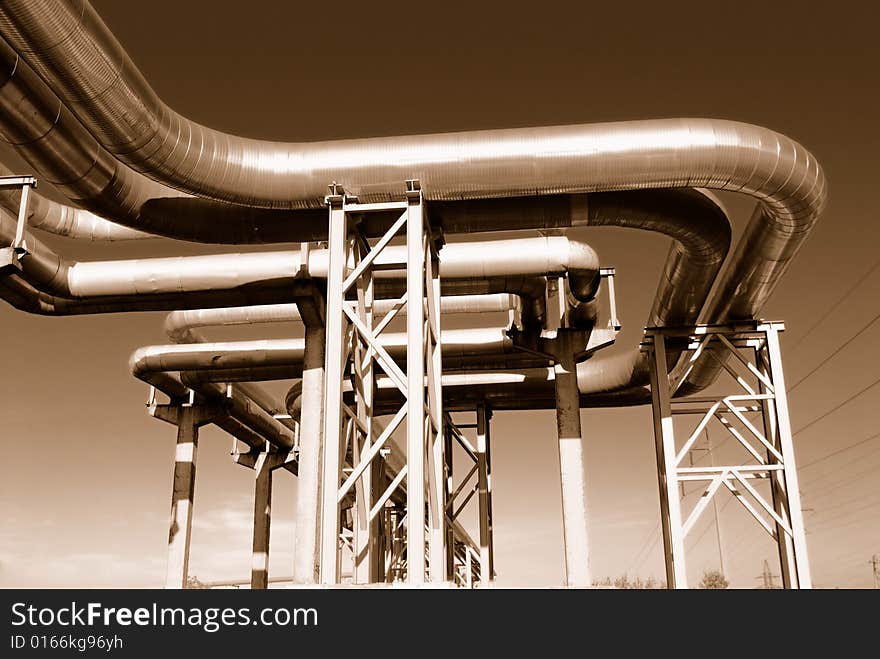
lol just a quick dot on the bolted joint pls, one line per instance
(413, 190)
(335, 196)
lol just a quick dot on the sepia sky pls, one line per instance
(86, 475)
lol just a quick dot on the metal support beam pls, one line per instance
(791, 489)
(415, 385)
(333, 374)
(667, 475)
(484, 477)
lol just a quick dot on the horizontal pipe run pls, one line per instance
(62, 220)
(554, 255)
(181, 326)
(456, 343)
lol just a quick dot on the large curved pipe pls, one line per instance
(112, 98)
(700, 230)
(782, 175)
(669, 153)
(101, 184)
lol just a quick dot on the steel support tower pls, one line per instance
(754, 410)
(353, 356)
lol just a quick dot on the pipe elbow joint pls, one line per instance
(583, 271)
(137, 363)
(293, 401)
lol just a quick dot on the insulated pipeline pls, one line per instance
(257, 278)
(90, 101)
(62, 220)
(182, 326)
(71, 48)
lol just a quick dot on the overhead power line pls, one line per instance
(835, 353)
(834, 307)
(837, 407)
(838, 452)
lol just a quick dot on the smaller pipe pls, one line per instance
(63, 220)
(247, 405)
(180, 326)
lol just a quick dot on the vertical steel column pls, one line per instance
(484, 484)
(667, 469)
(786, 446)
(415, 378)
(447, 494)
(383, 538)
(262, 523)
(434, 420)
(489, 493)
(365, 531)
(779, 499)
(571, 465)
(334, 372)
(308, 498)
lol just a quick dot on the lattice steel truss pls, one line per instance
(353, 353)
(756, 416)
(468, 564)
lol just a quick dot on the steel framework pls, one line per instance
(353, 353)
(755, 414)
(462, 567)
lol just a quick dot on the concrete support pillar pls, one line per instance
(571, 466)
(182, 493)
(308, 502)
(188, 419)
(262, 524)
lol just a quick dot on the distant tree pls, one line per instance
(193, 583)
(713, 579)
(623, 582)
